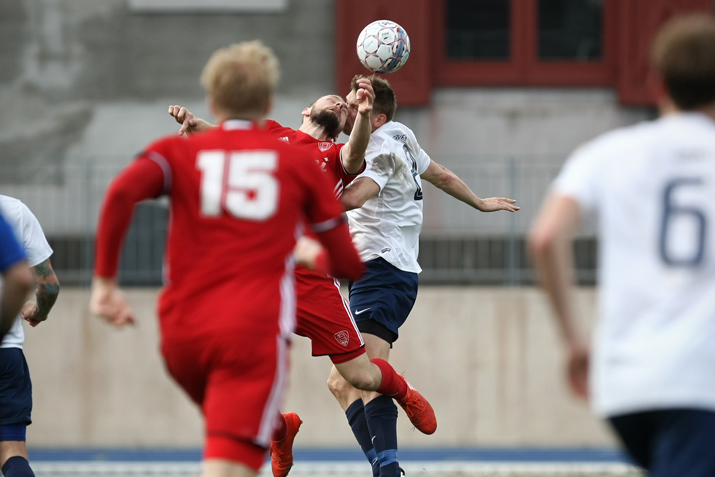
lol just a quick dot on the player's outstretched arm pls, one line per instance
(358, 192)
(353, 153)
(550, 246)
(143, 179)
(339, 257)
(17, 282)
(448, 181)
(47, 289)
(189, 123)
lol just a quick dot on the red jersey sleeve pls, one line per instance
(325, 217)
(147, 177)
(339, 169)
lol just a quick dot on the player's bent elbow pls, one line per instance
(351, 201)
(540, 243)
(19, 279)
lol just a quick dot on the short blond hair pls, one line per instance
(684, 54)
(240, 79)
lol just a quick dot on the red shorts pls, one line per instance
(239, 381)
(324, 317)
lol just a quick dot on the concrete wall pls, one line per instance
(487, 358)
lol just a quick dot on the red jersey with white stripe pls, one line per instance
(323, 314)
(236, 197)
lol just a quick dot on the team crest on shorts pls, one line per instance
(324, 146)
(342, 337)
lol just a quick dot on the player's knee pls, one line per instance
(338, 385)
(365, 381)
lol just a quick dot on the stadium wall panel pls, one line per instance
(487, 358)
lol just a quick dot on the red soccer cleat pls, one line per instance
(419, 411)
(282, 450)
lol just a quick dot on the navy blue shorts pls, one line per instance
(382, 299)
(671, 442)
(15, 392)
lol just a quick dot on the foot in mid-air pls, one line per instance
(282, 450)
(419, 410)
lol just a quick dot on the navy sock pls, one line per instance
(17, 466)
(356, 419)
(381, 415)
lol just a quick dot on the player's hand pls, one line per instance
(108, 302)
(31, 313)
(184, 117)
(493, 204)
(365, 96)
(306, 252)
(577, 370)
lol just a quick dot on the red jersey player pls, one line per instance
(323, 314)
(237, 197)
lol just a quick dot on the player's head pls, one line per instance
(240, 80)
(684, 55)
(329, 112)
(384, 105)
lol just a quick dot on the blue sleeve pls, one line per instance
(10, 251)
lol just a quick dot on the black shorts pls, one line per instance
(382, 299)
(15, 391)
(670, 442)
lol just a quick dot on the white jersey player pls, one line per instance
(388, 224)
(651, 188)
(385, 214)
(15, 384)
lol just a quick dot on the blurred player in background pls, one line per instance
(15, 383)
(323, 314)
(652, 189)
(15, 279)
(385, 215)
(239, 198)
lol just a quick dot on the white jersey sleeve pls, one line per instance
(380, 162)
(580, 177)
(34, 242)
(421, 158)
(29, 233)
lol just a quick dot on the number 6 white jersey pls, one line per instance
(389, 224)
(652, 188)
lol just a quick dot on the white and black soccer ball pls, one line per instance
(383, 46)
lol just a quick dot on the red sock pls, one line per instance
(281, 429)
(392, 384)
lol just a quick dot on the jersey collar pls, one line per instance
(233, 124)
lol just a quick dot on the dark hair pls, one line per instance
(385, 99)
(684, 54)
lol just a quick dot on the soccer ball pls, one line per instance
(383, 46)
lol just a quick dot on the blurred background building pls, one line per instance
(499, 91)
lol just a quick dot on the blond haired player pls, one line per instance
(238, 199)
(652, 189)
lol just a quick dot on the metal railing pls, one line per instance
(458, 245)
